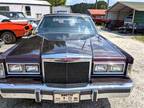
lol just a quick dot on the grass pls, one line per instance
(139, 38)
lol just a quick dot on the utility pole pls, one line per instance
(108, 3)
(133, 21)
(96, 4)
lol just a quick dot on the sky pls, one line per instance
(72, 2)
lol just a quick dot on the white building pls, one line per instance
(31, 8)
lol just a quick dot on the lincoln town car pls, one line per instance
(67, 61)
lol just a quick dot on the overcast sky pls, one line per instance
(71, 2)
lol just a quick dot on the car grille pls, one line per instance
(77, 72)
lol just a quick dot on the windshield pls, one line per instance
(18, 15)
(66, 27)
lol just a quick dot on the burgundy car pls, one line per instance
(66, 62)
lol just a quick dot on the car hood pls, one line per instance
(37, 47)
(68, 48)
(93, 47)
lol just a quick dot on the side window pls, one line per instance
(28, 10)
(4, 8)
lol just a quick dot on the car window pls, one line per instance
(68, 26)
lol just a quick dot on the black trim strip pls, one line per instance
(17, 91)
(114, 91)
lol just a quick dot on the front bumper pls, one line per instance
(91, 91)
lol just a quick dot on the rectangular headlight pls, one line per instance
(2, 71)
(100, 68)
(15, 68)
(116, 68)
(23, 68)
(32, 68)
(109, 68)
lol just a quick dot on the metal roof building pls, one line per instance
(120, 10)
(97, 12)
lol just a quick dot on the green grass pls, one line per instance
(139, 38)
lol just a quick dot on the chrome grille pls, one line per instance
(63, 72)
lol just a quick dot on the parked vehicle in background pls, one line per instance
(128, 19)
(66, 62)
(114, 24)
(4, 19)
(31, 8)
(19, 17)
(98, 15)
(11, 31)
(132, 28)
(61, 9)
(101, 20)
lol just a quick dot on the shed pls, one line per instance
(127, 11)
(97, 13)
(31, 8)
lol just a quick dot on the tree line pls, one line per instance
(82, 7)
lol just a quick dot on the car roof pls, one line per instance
(10, 12)
(3, 18)
(68, 14)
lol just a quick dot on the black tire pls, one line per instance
(8, 37)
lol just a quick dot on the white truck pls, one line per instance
(61, 9)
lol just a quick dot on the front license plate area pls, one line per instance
(66, 98)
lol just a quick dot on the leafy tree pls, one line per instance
(102, 5)
(56, 2)
(82, 7)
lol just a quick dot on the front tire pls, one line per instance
(8, 37)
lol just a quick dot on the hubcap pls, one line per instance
(7, 38)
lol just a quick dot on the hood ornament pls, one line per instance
(67, 60)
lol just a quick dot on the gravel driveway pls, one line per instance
(136, 49)
(135, 100)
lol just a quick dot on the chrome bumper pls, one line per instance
(41, 92)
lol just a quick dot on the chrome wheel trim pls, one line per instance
(7, 38)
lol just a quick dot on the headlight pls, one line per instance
(2, 71)
(116, 68)
(100, 68)
(23, 69)
(109, 68)
(15, 68)
(32, 68)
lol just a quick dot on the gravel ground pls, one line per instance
(135, 100)
(136, 49)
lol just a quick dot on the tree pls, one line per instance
(102, 5)
(56, 2)
(82, 7)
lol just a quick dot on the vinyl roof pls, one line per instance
(139, 6)
(97, 11)
(31, 2)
